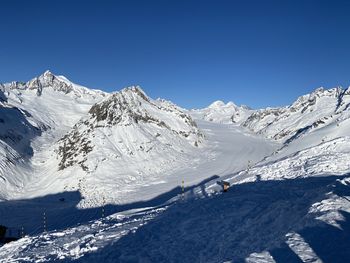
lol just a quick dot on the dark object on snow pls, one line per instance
(224, 184)
(2, 231)
(8, 234)
(61, 199)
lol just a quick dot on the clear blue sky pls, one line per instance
(259, 53)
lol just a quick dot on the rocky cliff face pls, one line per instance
(49, 80)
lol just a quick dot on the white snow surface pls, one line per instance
(125, 178)
(309, 112)
(35, 115)
(259, 220)
(219, 112)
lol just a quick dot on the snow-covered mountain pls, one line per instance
(78, 155)
(50, 81)
(133, 125)
(34, 115)
(76, 138)
(219, 112)
(53, 128)
(132, 137)
(51, 100)
(309, 112)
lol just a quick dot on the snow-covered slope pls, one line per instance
(219, 112)
(53, 100)
(309, 112)
(134, 124)
(74, 138)
(312, 111)
(79, 155)
(34, 115)
(293, 209)
(127, 139)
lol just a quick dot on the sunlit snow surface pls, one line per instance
(289, 200)
(275, 211)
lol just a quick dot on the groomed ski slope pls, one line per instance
(284, 209)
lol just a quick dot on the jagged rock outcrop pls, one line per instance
(49, 80)
(135, 124)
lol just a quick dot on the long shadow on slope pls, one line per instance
(330, 243)
(16, 131)
(61, 211)
(251, 217)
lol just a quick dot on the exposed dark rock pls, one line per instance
(72, 145)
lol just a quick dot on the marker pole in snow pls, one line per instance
(183, 189)
(44, 222)
(22, 231)
(103, 208)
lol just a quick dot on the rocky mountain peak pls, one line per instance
(47, 75)
(48, 80)
(135, 123)
(132, 105)
(135, 93)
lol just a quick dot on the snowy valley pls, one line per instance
(90, 176)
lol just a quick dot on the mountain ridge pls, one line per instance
(127, 132)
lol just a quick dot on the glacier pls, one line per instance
(122, 177)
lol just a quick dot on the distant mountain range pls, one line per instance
(56, 135)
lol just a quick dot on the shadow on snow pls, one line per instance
(61, 211)
(251, 217)
(16, 131)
